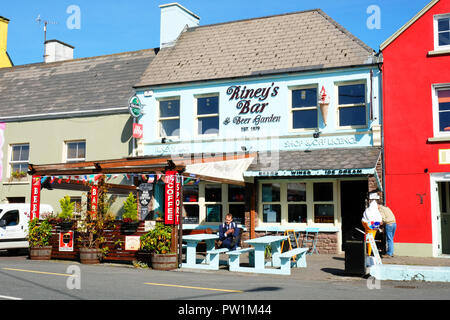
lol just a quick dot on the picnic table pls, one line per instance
(191, 251)
(257, 256)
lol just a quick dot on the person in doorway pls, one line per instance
(229, 233)
(372, 219)
(389, 225)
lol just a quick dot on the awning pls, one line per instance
(228, 171)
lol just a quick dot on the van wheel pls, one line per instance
(14, 252)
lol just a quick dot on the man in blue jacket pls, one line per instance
(229, 233)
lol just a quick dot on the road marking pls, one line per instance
(40, 272)
(189, 287)
(10, 298)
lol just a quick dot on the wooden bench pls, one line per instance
(234, 258)
(300, 257)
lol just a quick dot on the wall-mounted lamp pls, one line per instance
(244, 148)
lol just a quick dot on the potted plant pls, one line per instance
(65, 218)
(39, 234)
(17, 175)
(91, 229)
(130, 216)
(157, 242)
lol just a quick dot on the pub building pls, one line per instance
(291, 105)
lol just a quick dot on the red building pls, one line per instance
(416, 113)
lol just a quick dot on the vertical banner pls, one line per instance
(35, 197)
(170, 197)
(177, 199)
(94, 201)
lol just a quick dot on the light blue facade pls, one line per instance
(270, 126)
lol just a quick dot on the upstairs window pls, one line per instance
(169, 118)
(304, 108)
(352, 105)
(443, 109)
(208, 115)
(19, 158)
(75, 151)
(442, 32)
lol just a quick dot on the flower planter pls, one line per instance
(66, 225)
(167, 261)
(40, 253)
(90, 255)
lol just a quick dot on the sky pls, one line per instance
(100, 27)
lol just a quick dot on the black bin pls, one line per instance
(355, 253)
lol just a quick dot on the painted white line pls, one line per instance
(10, 298)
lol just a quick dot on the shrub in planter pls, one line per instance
(158, 242)
(39, 234)
(130, 215)
(65, 217)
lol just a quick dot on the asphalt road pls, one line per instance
(25, 279)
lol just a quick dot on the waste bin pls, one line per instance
(355, 253)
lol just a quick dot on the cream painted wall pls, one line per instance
(107, 137)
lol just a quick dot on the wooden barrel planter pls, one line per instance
(40, 253)
(144, 257)
(90, 255)
(167, 261)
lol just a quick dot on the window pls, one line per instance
(442, 110)
(213, 202)
(352, 104)
(11, 218)
(169, 118)
(19, 158)
(292, 201)
(208, 115)
(75, 151)
(442, 32)
(304, 108)
(190, 204)
(323, 202)
(236, 203)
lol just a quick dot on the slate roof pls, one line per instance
(337, 158)
(59, 89)
(299, 41)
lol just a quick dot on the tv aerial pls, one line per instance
(45, 23)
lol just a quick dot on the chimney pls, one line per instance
(5, 61)
(56, 50)
(174, 18)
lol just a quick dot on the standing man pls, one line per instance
(229, 233)
(390, 226)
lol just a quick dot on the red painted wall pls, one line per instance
(408, 76)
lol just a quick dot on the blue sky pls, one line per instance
(114, 26)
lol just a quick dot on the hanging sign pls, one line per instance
(145, 196)
(138, 131)
(66, 241)
(35, 197)
(94, 201)
(135, 107)
(177, 199)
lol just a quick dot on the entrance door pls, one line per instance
(353, 204)
(444, 204)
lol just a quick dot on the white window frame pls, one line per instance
(434, 94)
(437, 47)
(338, 106)
(11, 162)
(160, 119)
(309, 203)
(66, 151)
(210, 115)
(292, 109)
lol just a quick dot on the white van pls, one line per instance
(14, 218)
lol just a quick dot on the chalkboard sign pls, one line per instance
(292, 242)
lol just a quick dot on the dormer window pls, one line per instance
(442, 32)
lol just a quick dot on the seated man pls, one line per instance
(229, 233)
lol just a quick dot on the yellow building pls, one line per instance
(5, 60)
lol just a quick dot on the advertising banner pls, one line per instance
(35, 197)
(94, 201)
(169, 217)
(66, 241)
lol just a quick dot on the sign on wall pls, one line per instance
(145, 196)
(35, 197)
(66, 241)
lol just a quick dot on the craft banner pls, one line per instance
(35, 197)
(94, 201)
